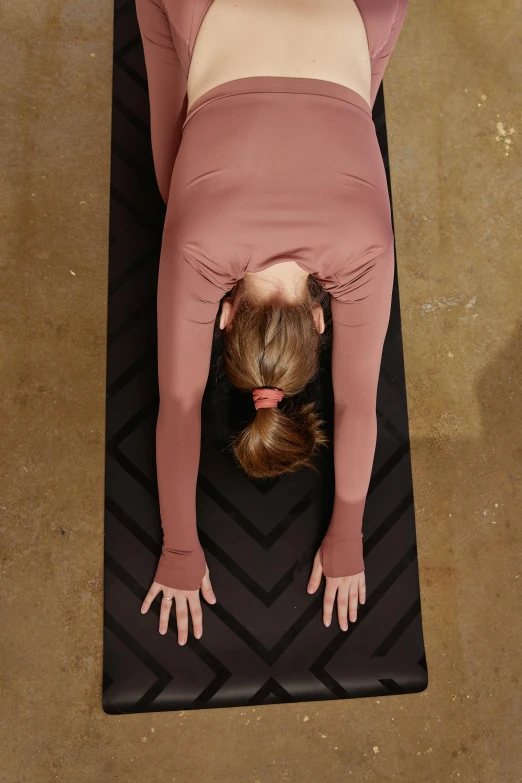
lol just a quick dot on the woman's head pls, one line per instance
(275, 342)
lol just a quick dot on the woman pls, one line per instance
(278, 195)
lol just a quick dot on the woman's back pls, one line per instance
(320, 39)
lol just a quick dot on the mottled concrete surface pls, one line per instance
(454, 122)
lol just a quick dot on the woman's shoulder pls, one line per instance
(352, 276)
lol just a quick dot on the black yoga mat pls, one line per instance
(264, 641)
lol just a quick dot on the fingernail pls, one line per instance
(197, 635)
(344, 627)
(327, 625)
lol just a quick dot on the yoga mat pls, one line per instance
(264, 641)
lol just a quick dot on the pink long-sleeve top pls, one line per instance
(266, 169)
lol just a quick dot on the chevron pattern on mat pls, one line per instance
(264, 641)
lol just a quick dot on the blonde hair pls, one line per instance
(275, 343)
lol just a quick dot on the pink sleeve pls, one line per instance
(167, 86)
(379, 65)
(360, 314)
(188, 304)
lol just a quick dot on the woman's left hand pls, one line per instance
(348, 588)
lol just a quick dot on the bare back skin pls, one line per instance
(318, 39)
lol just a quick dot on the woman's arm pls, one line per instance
(167, 88)
(187, 307)
(187, 304)
(379, 66)
(360, 314)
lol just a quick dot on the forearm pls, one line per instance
(354, 451)
(178, 438)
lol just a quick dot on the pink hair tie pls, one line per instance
(265, 397)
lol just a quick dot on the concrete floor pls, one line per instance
(454, 124)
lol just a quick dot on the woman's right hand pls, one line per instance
(182, 599)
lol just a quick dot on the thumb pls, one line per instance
(206, 589)
(317, 572)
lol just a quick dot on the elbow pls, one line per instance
(363, 405)
(181, 405)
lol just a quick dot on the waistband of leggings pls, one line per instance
(280, 84)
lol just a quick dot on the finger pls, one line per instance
(342, 606)
(315, 576)
(154, 589)
(165, 608)
(182, 617)
(196, 613)
(206, 589)
(329, 597)
(362, 588)
(352, 601)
